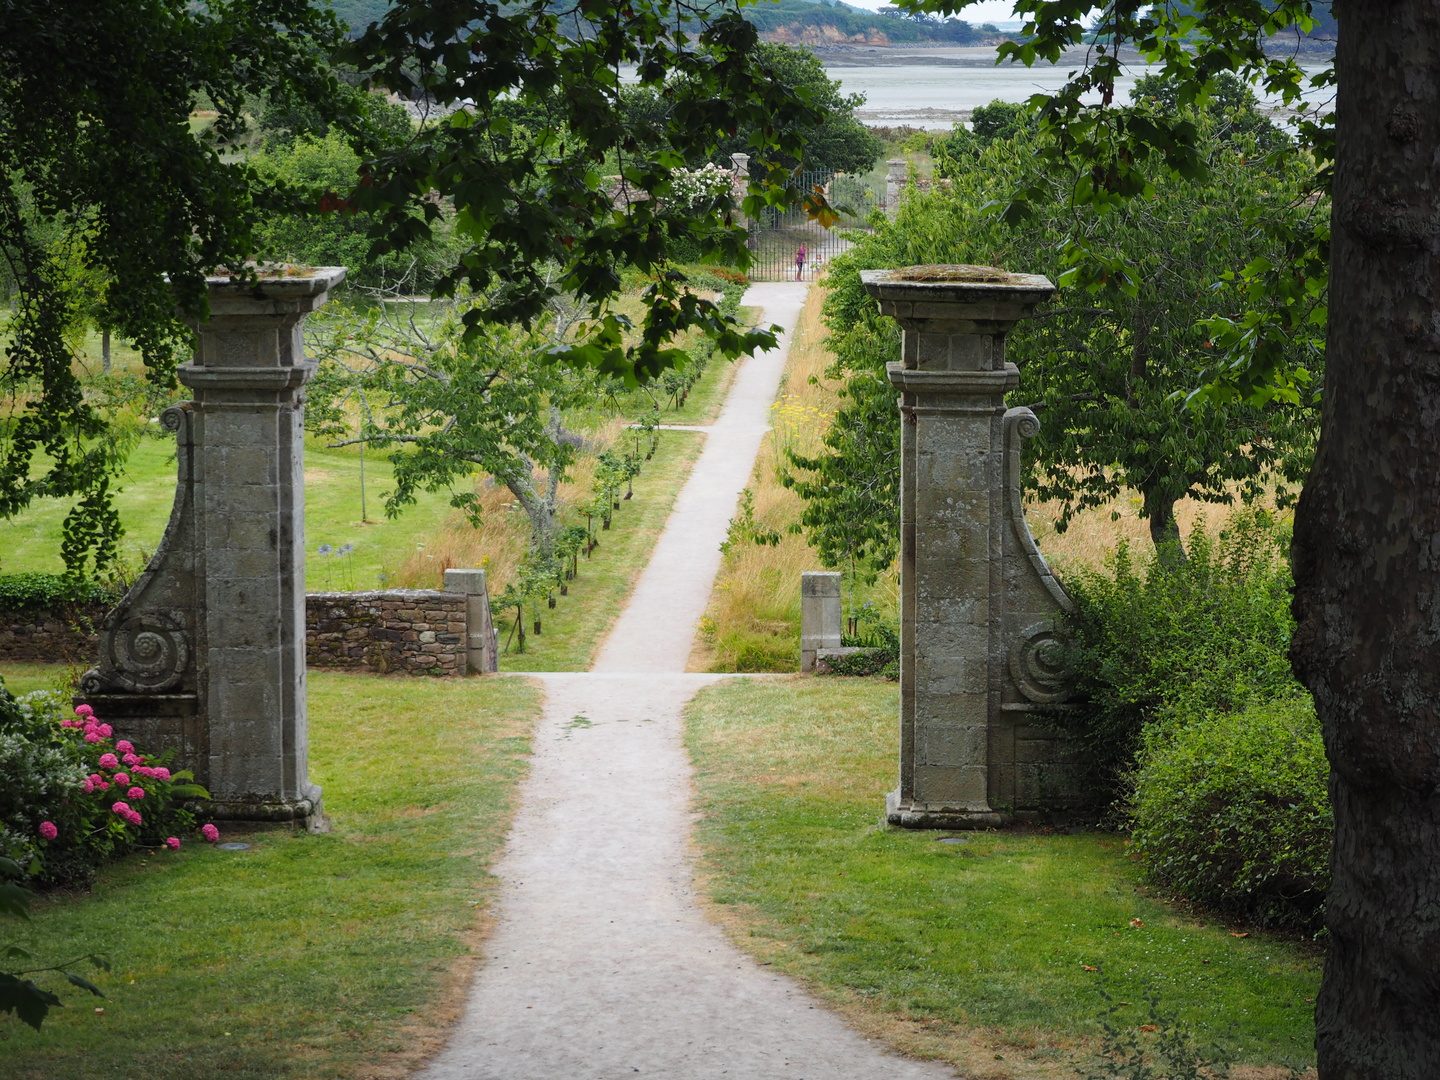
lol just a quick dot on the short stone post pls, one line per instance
(820, 616)
(979, 661)
(480, 644)
(896, 177)
(206, 652)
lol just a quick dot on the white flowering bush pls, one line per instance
(692, 187)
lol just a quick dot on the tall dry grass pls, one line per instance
(753, 621)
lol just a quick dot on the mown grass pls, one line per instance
(978, 952)
(338, 955)
(574, 628)
(31, 540)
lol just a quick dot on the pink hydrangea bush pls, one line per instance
(59, 816)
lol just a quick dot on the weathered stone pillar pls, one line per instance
(896, 177)
(206, 652)
(979, 663)
(820, 615)
(480, 645)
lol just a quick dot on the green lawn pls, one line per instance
(976, 952)
(31, 541)
(574, 628)
(308, 956)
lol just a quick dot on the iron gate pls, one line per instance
(777, 237)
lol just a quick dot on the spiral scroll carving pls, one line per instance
(172, 418)
(148, 653)
(1040, 665)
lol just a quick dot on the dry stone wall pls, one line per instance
(66, 635)
(405, 631)
(412, 632)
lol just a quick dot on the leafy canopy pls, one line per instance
(1112, 153)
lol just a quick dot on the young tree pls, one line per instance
(450, 404)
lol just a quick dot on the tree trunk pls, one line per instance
(1367, 553)
(105, 351)
(1164, 529)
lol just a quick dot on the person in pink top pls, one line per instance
(800, 262)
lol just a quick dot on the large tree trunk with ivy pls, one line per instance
(1367, 553)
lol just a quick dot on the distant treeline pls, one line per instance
(790, 18)
(786, 19)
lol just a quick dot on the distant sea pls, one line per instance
(937, 87)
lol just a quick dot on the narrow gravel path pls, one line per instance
(601, 965)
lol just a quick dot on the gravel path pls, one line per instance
(601, 965)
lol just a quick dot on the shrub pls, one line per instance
(37, 592)
(1231, 810)
(73, 796)
(1206, 631)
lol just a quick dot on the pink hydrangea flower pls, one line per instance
(131, 760)
(90, 736)
(84, 710)
(210, 832)
(124, 746)
(136, 793)
(143, 770)
(64, 723)
(161, 773)
(88, 786)
(173, 843)
(48, 830)
(103, 786)
(134, 817)
(109, 761)
(122, 778)
(120, 807)
(106, 730)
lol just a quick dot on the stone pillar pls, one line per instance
(206, 653)
(820, 615)
(740, 186)
(896, 176)
(978, 654)
(483, 655)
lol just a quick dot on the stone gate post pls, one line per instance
(979, 663)
(206, 652)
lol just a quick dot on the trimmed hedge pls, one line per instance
(38, 592)
(1232, 810)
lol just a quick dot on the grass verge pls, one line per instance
(988, 953)
(340, 955)
(574, 628)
